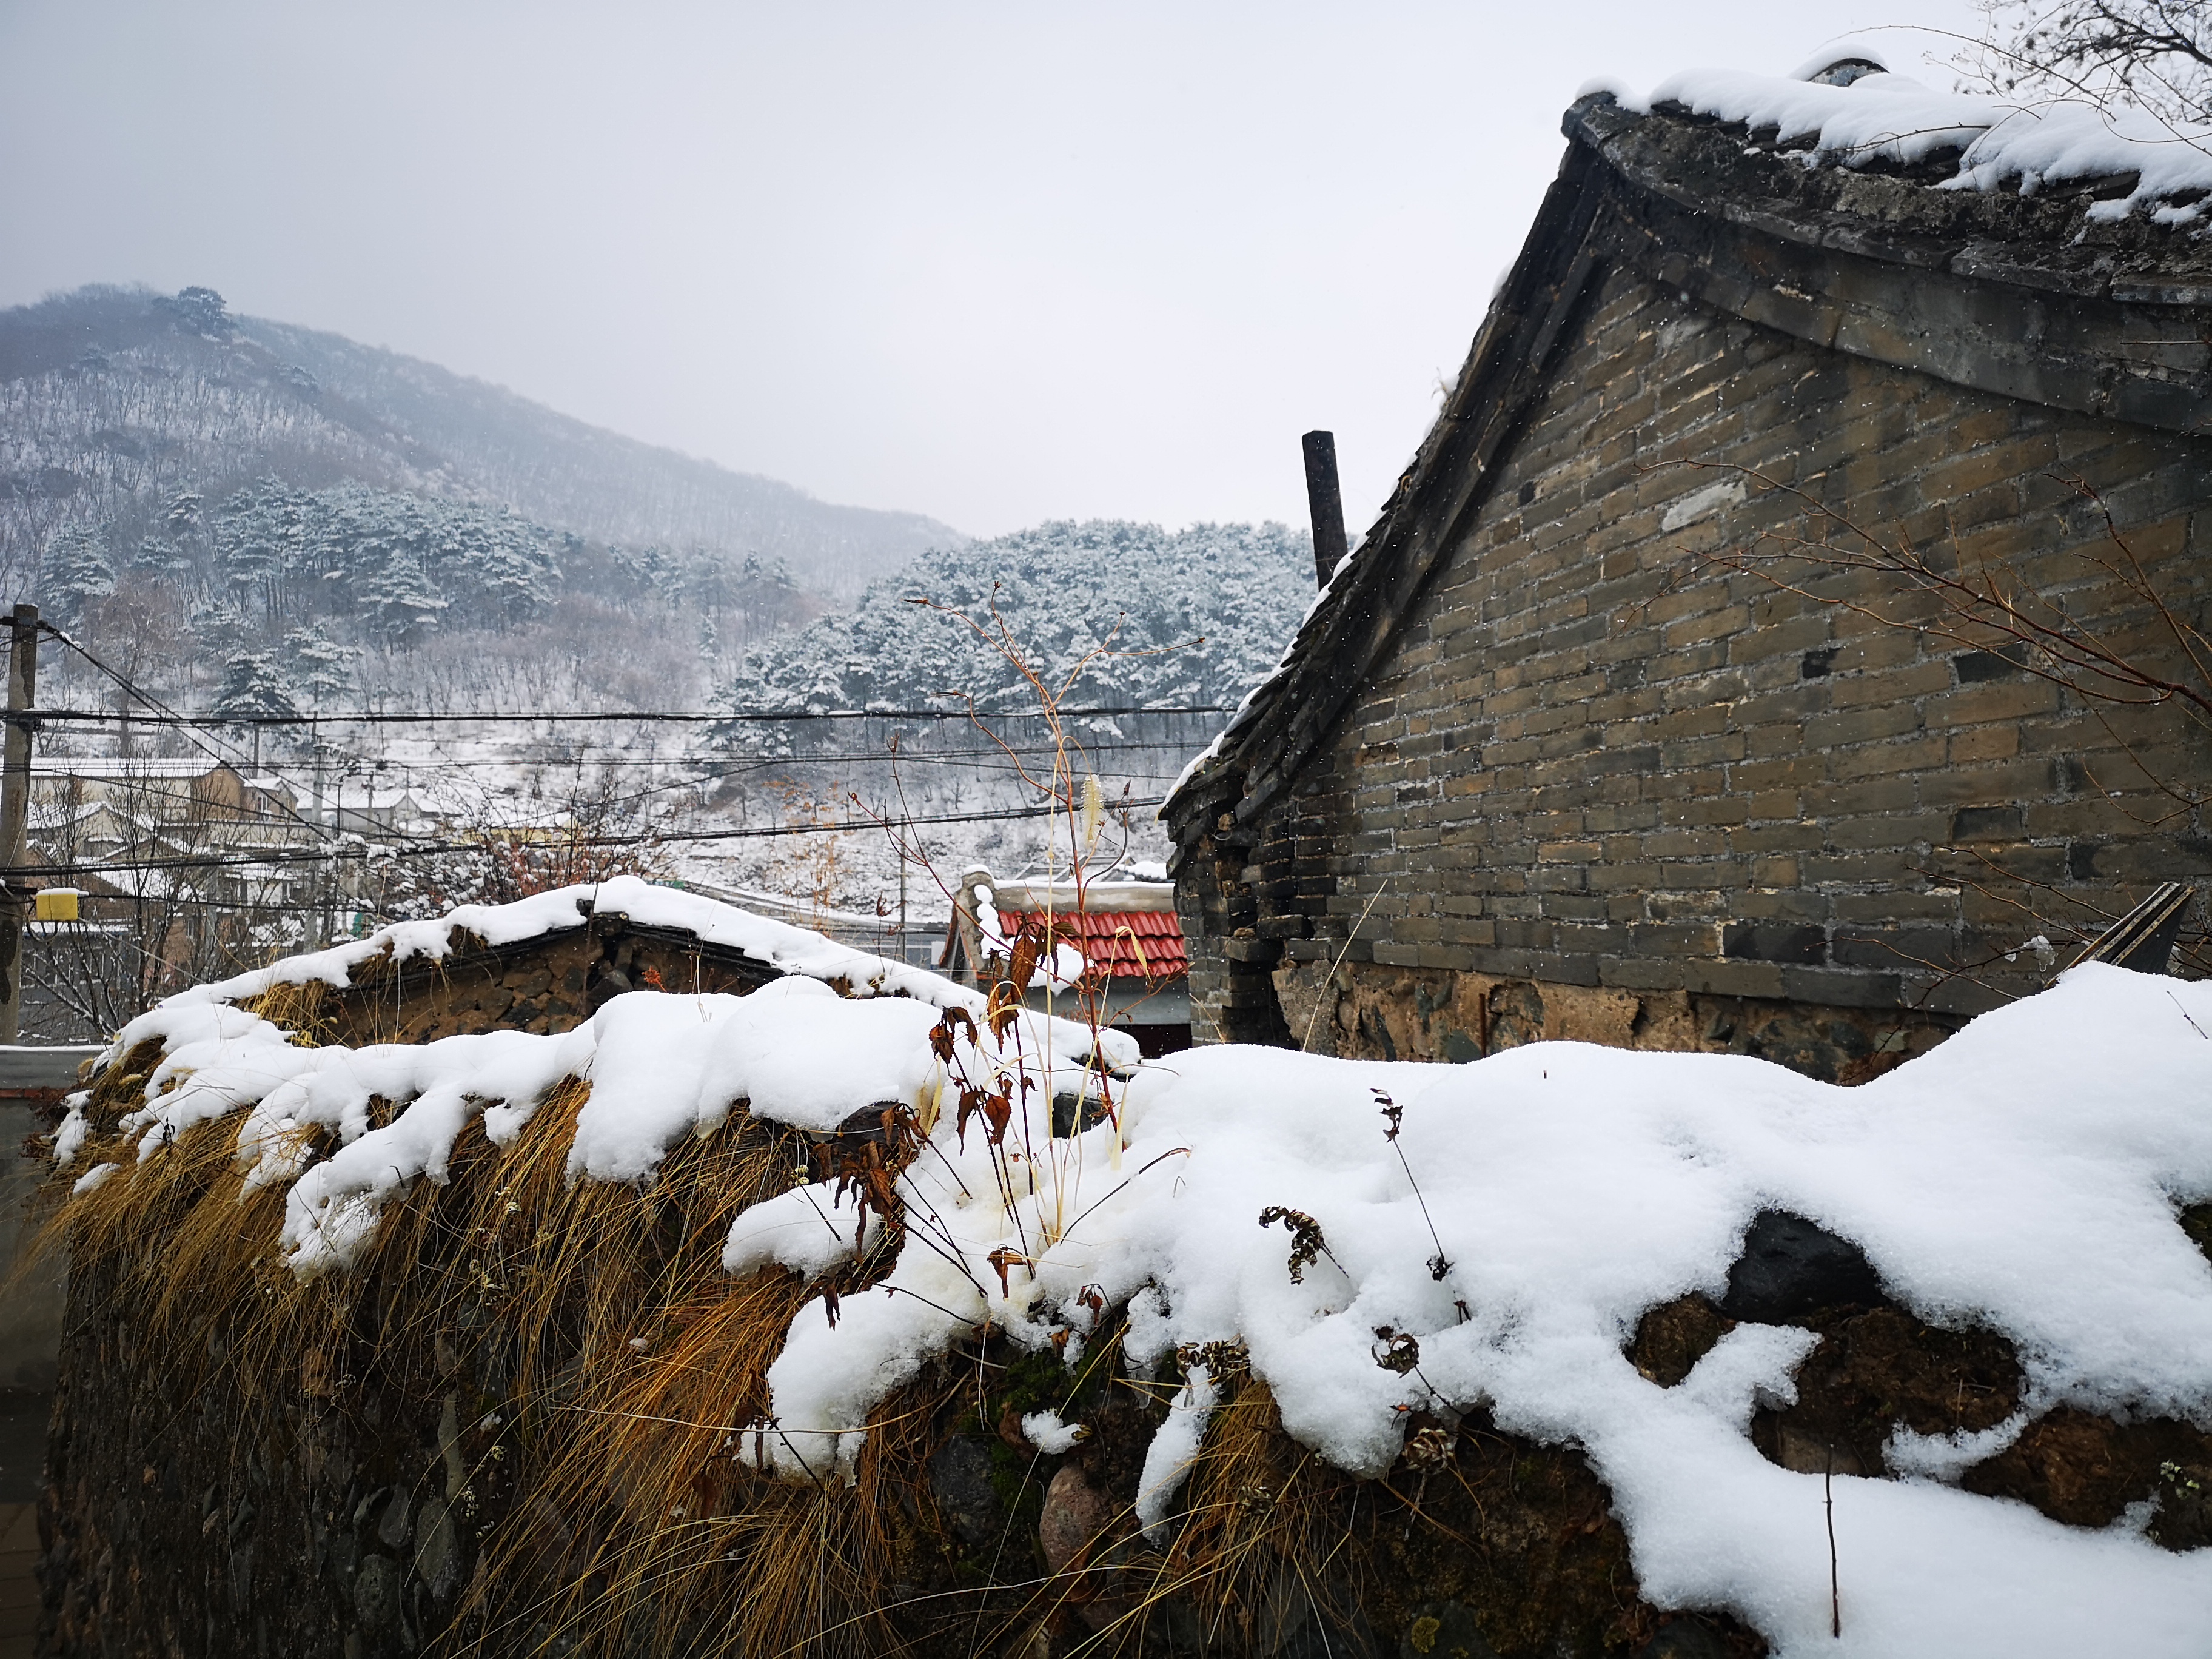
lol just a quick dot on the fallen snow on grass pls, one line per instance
(2024, 1176)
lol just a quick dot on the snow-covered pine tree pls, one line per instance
(181, 519)
(160, 557)
(200, 310)
(253, 685)
(260, 542)
(509, 561)
(657, 568)
(320, 667)
(401, 600)
(76, 570)
(767, 600)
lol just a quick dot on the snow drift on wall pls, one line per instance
(2022, 1177)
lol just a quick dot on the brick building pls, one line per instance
(1631, 720)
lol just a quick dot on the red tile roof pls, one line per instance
(1126, 944)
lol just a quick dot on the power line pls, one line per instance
(643, 716)
(717, 765)
(364, 851)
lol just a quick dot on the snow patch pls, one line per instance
(1044, 1431)
(1174, 1448)
(1701, 504)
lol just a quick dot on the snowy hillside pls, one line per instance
(1193, 615)
(113, 400)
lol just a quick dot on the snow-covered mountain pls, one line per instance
(113, 400)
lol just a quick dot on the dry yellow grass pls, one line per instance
(596, 1365)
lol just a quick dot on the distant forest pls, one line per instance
(1110, 612)
(295, 600)
(262, 516)
(258, 520)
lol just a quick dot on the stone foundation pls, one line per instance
(1371, 1011)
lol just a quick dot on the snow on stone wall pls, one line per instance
(2023, 1178)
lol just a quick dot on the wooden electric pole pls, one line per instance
(1325, 501)
(15, 813)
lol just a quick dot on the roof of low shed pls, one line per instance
(2042, 254)
(1126, 944)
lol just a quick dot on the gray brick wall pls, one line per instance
(1587, 762)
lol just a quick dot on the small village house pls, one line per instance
(1665, 705)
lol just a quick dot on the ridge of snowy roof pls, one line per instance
(1890, 117)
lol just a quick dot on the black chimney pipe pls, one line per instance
(1325, 503)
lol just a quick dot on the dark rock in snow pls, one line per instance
(376, 1593)
(1878, 1369)
(960, 1480)
(2085, 1470)
(1792, 1266)
(1672, 1338)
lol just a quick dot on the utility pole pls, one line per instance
(1325, 501)
(15, 813)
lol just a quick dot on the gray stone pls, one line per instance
(960, 1480)
(437, 1548)
(1790, 1265)
(393, 1528)
(376, 1593)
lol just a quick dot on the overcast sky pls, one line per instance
(994, 264)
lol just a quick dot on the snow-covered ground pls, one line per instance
(2023, 1176)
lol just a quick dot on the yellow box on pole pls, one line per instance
(56, 904)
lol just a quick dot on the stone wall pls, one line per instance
(1376, 1010)
(1592, 768)
(31, 1312)
(514, 1427)
(443, 1452)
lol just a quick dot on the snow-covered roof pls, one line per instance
(1986, 143)
(920, 916)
